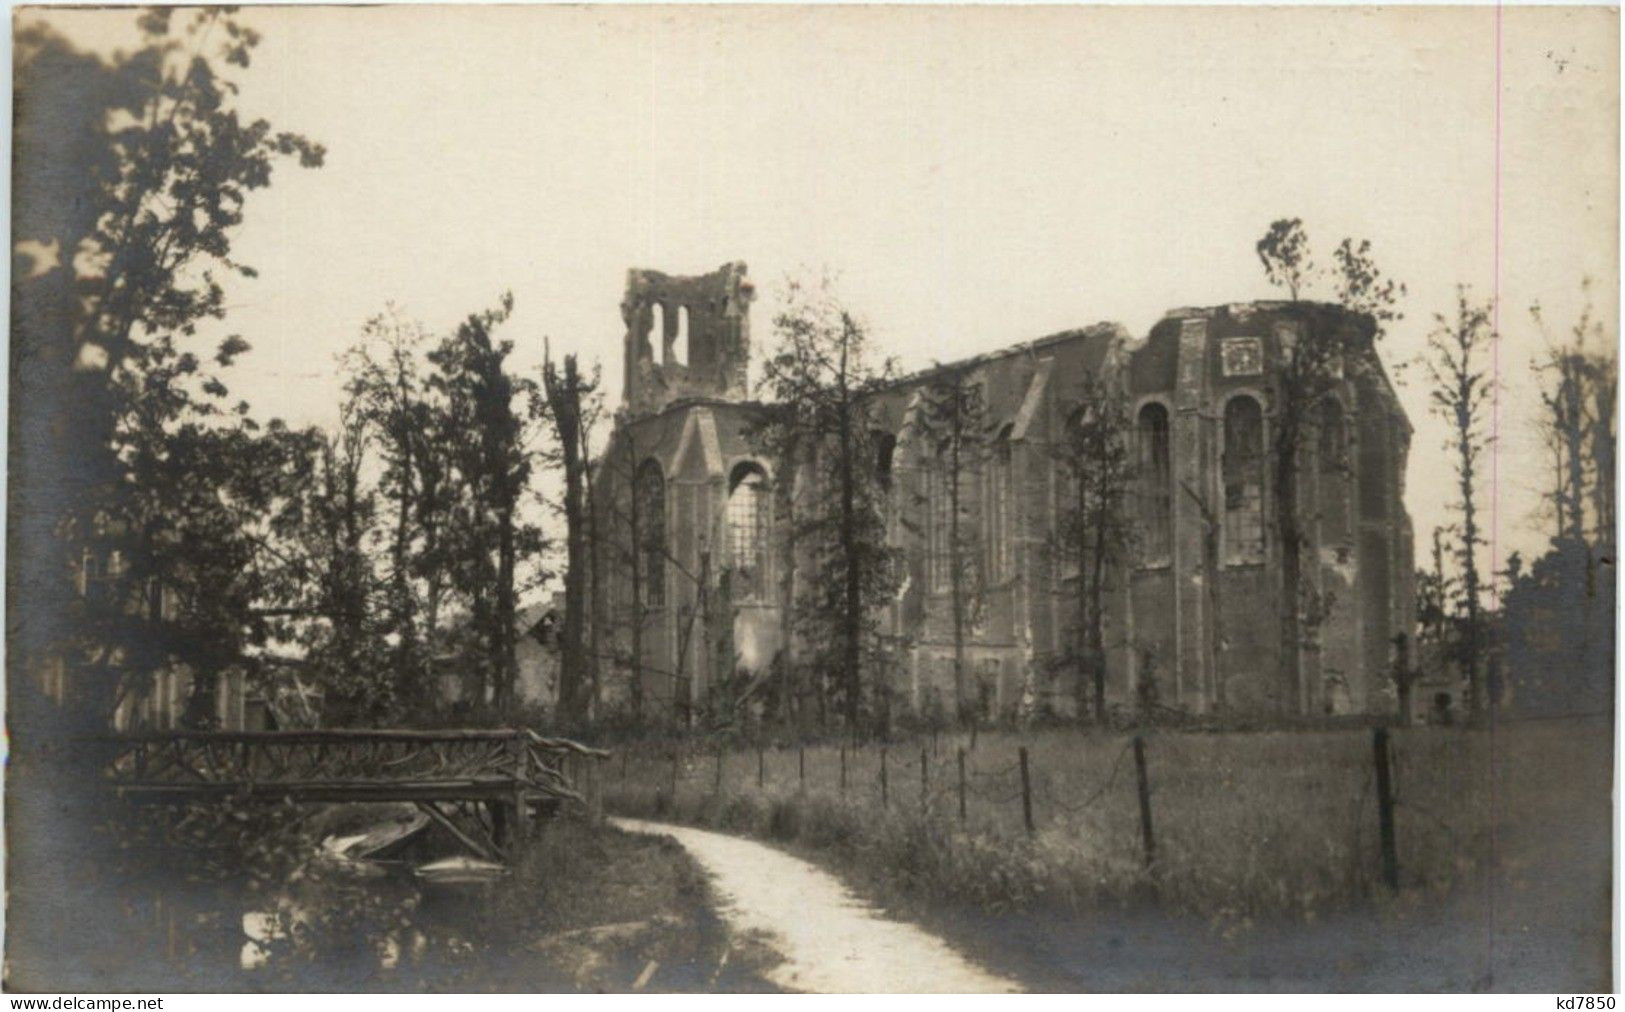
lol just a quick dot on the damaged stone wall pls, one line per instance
(1196, 621)
(686, 337)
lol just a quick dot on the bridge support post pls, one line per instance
(501, 827)
(521, 816)
(521, 827)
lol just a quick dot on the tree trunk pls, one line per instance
(956, 574)
(572, 674)
(564, 396)
(852, 616)
(852, 626)
(635, 621)
(1403, 678)
(506, 617)
(1085, 675)
(1215, 624)
(483, 579)
(1286, 507)
(1603, 447)
(406, 658)
(431, 602)
(1471, 647)
(595, 576)
(434, 575)
(406, 649)
(477, 681)
(789, 687)
(1097, 623)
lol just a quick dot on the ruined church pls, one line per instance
(698, 553)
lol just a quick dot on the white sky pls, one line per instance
(977, 176)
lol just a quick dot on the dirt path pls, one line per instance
(831, 941)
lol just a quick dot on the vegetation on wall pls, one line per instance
(1323, 352)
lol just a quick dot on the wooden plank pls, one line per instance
(319, 792)
(478, 765)
(335, 734)
(183, 763)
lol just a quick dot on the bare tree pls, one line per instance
(619, 539)
(566, 394)
(1435, 589)
(821, 426)
(592, 411)
(1460, 393)
(1580, 385)
(953, 418)
(1095, 526)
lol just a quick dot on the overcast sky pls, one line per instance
(976, 176)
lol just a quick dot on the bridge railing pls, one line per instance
(335, 764)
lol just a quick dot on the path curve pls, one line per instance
(831, 941)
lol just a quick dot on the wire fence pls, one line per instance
(985, 783)
(1312, 800)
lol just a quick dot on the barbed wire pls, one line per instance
(1111, 778)
(1012, 769)
(991, 792)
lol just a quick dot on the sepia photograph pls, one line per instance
(846, 499)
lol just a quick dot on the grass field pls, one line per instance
(1245, 824)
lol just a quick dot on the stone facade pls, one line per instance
(688, 518)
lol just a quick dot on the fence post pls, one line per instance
(1026, 792)
(883, 777)
(843, 770)
(760, 767)
(521, 810)
(962, 784)
(717, 787)
(598, 785)
(596, 807)
(1385, 807)
(675, 759)
(1146, 838)
(801, 766)
(623, 766)
(925, 781)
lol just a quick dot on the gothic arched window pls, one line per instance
(1243, 469)
(1333, 466)
(748, 505)
(1000, 550)
(679, 347)
(939, 530)
(657, 329)
(1373, 476)
(1156, 484)
(885, 454)
(1068, 533)
(650, 489)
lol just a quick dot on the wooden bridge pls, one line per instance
(512, 774)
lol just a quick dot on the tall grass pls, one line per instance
(1246, 824)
